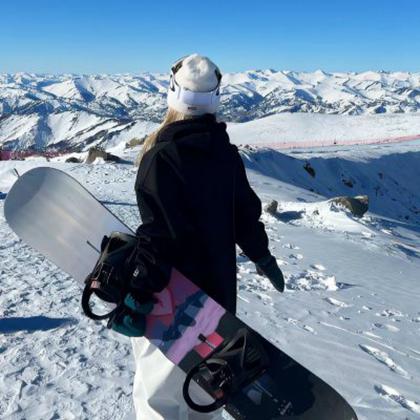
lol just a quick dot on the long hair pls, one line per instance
(171, 116)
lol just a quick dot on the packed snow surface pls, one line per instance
(350, 312)
(309, 130)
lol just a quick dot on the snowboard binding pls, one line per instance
(108, 278)
(230, 367)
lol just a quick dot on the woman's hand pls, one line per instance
(268, 267)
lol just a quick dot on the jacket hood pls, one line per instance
(197, 133)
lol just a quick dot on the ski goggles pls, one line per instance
(187, 101)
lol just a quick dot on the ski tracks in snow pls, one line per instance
(384, 358)
(394, 396)
(374, 326)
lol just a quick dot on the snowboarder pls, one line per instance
(196, 204)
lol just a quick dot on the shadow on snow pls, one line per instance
(33, 323)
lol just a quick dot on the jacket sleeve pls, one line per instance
(249, 230)
(160, 192)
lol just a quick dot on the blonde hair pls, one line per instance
(171, 116)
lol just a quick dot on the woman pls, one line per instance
(196, 204)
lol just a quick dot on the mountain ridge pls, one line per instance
(35, 108)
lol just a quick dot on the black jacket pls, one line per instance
(196, 204)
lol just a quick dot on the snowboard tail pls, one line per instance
(54, 214)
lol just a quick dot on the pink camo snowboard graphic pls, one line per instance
(183, 313)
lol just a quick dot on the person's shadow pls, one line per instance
(33, 323)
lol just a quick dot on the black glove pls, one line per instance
(148, 272)
(127, 274)
(268, 267)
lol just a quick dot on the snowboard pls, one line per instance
(54, 214)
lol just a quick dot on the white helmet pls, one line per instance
(194, 86)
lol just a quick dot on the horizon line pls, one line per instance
(268, 69)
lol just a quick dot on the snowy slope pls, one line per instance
(113, 101)
(309, 130)
(350, 312)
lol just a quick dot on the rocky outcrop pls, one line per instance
(357, 205)
(308, 168)
(73, 159)
(271, 208)
(97, 152)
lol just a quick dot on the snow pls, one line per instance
(307, 130)
(68, 124)
(117, 100)
(350, 311)
(67, 89)
(17, 128)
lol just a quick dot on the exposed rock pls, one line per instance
(358, 205)
(363, 199)
(112, 158)
(348, 182)
(94, 153)
(271, 208)
(98, 152)
(73, 159)
(308, 168)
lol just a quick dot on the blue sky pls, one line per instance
(102, 36)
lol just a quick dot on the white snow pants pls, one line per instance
(157, 389)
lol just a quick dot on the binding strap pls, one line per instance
(94, 284)
(237, 362)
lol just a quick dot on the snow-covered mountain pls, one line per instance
(72, 111)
